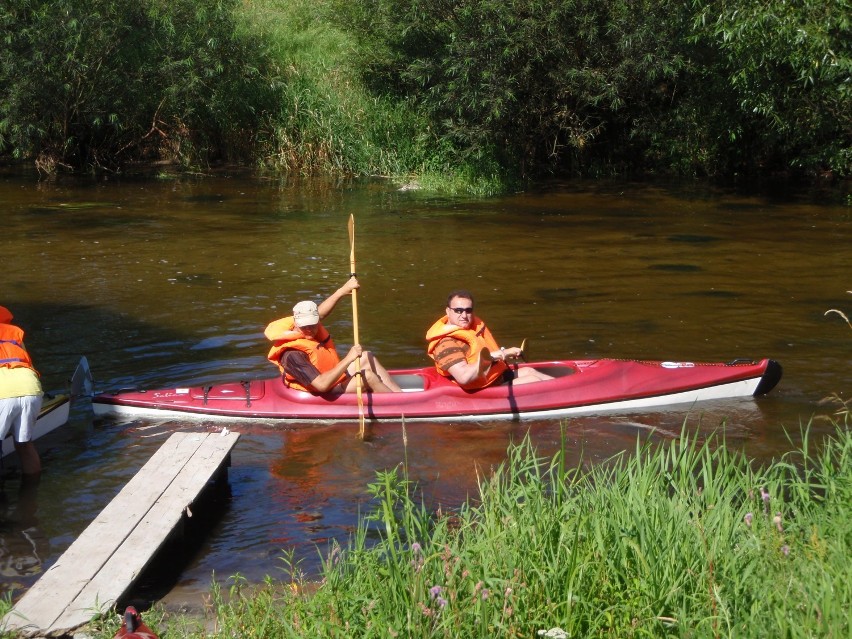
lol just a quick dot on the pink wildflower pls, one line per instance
(764, 495)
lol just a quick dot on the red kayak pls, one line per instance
(581, 387)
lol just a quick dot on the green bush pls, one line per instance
(592, 86)
(779, 81)
(105, 82)
(538, 85)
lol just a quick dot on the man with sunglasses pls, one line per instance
(465, 350)
(304, 352)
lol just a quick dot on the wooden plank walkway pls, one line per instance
(104, 561)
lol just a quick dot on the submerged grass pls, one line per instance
(681, 539)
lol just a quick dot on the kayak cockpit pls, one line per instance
(410, 383)
(427, 379)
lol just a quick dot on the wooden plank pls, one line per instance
(63, 581)
(140, 546)
(105, 560)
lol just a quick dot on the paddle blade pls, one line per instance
(81, 381)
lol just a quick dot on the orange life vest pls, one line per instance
(12, 351)
(320, 351)
(477, 338)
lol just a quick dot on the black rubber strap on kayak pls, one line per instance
(247, 388)
(206, 392)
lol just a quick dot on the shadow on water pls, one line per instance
(181, 548)
(123, 352)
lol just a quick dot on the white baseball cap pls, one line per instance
(306, 314)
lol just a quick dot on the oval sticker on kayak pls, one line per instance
(677, 364)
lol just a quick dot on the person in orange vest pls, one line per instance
(304, 352)
(20, 393)
(464, 349)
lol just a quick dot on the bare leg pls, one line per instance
(369, 362)
(528, 375)
(372, 383)
(28, 455)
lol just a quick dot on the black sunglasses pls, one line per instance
(459, 311)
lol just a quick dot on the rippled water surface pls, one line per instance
(171, 282)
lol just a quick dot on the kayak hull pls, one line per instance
(579, 387)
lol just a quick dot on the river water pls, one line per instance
(167, 282)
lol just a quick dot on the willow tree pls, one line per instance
(785, 74)
(700, 86)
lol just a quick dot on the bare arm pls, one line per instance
(465, 373)
(328, 305)
(324, 382)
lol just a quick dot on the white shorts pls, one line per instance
(19, 414)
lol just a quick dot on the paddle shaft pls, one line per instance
(358, 388)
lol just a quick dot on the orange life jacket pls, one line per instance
(477, 338)
(12, 351)
(320, 351)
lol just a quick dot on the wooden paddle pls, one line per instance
(358, 390)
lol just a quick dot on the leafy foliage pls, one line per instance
(788, 71)
(462, 91)
(534, 83)
(560, 85)
(107, 81)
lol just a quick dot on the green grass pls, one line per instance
(681, 539)
(328, 122)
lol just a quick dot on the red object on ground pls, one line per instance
(133, 627)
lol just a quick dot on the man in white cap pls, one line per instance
(304, 352)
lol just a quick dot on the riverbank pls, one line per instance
(684, 537)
